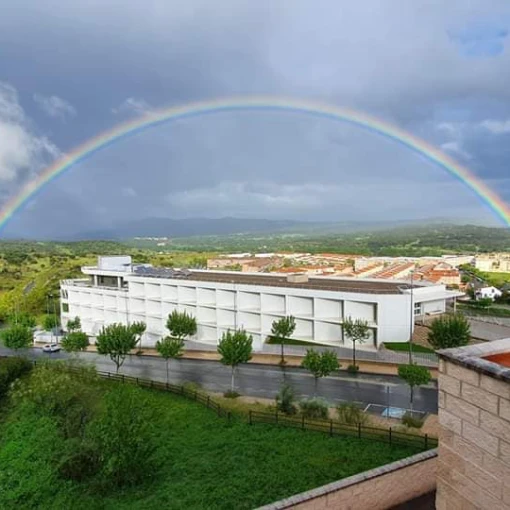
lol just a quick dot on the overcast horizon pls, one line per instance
(71, 70)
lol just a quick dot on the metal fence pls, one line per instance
(334, 428)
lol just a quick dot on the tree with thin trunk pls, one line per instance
(17, 337)
(181, 324)
(235, 347)
(283, 329)
(116, 341)
(414, 375)
(320, 364)
(138, 329)
(169, 347)
(50, 322)
(357, 330)
(73, 325)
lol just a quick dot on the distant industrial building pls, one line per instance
(118, 291)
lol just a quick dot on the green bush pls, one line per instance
(410, 421)
(285, 400)
(351, 414)
(124, 436)
(231, 394)
(314, 408)
(10, 370)
(353, 369)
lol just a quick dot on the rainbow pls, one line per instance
(156, 118)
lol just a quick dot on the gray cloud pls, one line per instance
(438, 69)
(55, 106)
(23, 152)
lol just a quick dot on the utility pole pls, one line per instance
(411, 323)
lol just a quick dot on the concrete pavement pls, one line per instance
(264, 381)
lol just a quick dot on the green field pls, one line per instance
(201, 461)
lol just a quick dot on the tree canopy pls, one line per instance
(75, 341)
(181, 324)
(116, 341)
(357, 330)
(17, 337)
(168, 348)
(452, 330)
(235, 347)
(320, 364)
(414, 375)
(282, 329)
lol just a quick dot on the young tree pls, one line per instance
(168, 348)
(50, 322)
(22, 319)
(181, 324)
(413, 375)
(235, 347)
(116, 341)
(283, 329)
(358, 331)
(138, 329)
(452, 330)
(17, 337)
(75, 341)
(320, 364)
(74, 324)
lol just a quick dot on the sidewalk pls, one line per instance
(367, 367)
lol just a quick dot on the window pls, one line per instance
(417, 309)
(65, 307)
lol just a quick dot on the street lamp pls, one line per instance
(411, 322)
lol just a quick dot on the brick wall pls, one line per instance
(376, 489)
(473, 470)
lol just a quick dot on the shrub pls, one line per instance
(124, 436)
(314, 408)
(353, 369)
(450, 330)
(10, 370)
(351, 414)
(231, 394)
(410, 421)
(285, 400)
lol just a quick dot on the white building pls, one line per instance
(117, 291)
(488, 292)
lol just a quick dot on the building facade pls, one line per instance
(116, 291)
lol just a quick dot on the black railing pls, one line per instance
(335, 428)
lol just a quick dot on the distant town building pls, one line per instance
(487, 292)
(494, 263)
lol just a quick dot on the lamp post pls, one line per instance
(411, 322)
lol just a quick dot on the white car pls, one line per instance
(51, 348)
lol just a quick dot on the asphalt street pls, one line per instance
(264, 381)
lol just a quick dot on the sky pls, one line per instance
(71, 70)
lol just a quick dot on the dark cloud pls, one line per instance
(438, 69)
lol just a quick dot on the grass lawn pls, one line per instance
(290, 341)
(404, 347)
(205, 462)
(492, 311)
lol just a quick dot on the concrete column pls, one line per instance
(119, 282)
(95, 280)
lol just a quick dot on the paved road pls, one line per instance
(264, 381)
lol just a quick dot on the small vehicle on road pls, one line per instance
(51, 348)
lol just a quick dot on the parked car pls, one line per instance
(51, 348)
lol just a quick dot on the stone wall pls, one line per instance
(376, 489)
(474, 444)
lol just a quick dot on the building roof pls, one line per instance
(335, 284)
